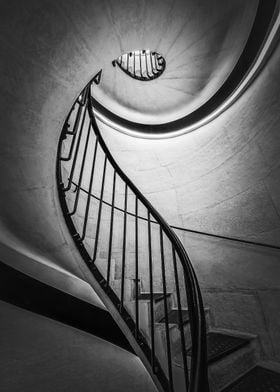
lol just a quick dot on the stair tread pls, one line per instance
(156, 296)
(219, 345)
(258, 379)
(173, 317)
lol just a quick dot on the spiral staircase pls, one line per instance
(143, 273)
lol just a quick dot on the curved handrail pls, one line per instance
(199, 232)
(195, 304)
(197, 381)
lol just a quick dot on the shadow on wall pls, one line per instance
(30, 294)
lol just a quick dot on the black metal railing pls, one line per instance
(140, 265)
(144, 65)
(198, 232)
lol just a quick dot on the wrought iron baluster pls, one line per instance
(166, 318)
(74, 132)
(99, 210)
(152, 327)
(181, 325)
(78, 186)
(136, 269)
(140, 64)
(124, 246)
(73, 166)
(134, 65)
(111, 228)
(89, 191)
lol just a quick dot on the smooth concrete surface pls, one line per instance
(50, 274)
(39, 354)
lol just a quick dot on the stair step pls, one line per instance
(156, 296)
(258, 379)
(230, 354)
(173, 317)
(220, 345)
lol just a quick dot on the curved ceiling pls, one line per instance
(201, 43)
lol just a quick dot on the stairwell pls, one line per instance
(144, 274)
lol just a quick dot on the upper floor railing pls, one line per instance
(139, 264)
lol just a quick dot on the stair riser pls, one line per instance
(175, 333)
(145, 314)
(226, 370)
(129, 289)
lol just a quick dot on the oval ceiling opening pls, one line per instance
(144, 65)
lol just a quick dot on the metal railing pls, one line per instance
(144, 65)
(193, 231)
(140, 264)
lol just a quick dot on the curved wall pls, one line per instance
(222, 178)
(189, 34)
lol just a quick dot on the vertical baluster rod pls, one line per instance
(140, 63)
(151, 61)
(78, 188)
(99, 210)
(181, 325)
(74, 132)
(124, 246)
(168, 346)
(134, 69)
(136, 269)
(81, 128)
(89, 191)
(151, 294)
(111, 228)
